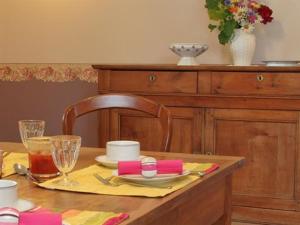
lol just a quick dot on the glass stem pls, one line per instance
(65, 178)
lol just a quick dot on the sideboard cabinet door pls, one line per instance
(269, 141)
(133, 125)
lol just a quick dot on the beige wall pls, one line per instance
(111, 31)
(128, 31)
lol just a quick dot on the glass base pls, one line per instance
(43, 176)
(38, 177)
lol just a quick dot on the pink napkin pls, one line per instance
(162, 167)
(117, 220)
(129, 167)
(213, 167)
(38, 218)
(169, 166)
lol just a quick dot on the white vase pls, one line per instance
(242, 48)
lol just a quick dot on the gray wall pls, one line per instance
(44, 100)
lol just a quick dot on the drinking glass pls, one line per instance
(31, 128)
(65, 151)
(41, 164)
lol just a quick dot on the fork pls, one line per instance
(143, 185)
(106, 181)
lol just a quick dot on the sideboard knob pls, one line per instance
(260, 77)
(152, 77)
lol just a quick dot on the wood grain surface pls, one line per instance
(206, 201)
(251, 111)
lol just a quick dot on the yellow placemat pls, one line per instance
(88, 183)
(75, 217)
(10, 160)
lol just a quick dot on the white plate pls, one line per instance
(102, 159)
(160, 178)
(281, 62)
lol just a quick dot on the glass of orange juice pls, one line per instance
(41, 164)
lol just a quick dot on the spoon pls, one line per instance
(22, 170)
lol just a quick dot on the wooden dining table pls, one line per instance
(206, 201)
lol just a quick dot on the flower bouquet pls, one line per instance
(230, 15)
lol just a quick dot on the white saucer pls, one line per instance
(24, 205)
(160, 178)
(102, 159)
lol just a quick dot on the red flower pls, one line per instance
(233, 9)
(265, 12)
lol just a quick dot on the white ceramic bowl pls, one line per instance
(188, 52)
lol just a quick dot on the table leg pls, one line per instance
(226, 218)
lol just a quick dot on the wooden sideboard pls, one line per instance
(217, 109)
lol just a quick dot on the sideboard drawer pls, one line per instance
(255, 83)
(153, 81)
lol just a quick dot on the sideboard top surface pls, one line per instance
(203, 67)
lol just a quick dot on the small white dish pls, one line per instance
(281, 62)
(158, 179)
(103, 160)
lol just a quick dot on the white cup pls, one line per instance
(8, 193)
(123, 150)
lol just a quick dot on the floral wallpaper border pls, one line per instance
(48, 72)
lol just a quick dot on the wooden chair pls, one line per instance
(125, 101)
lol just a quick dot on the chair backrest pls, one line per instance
(125, 101)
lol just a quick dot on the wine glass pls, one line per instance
(31, 128)
(65, 151)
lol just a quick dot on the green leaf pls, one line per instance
(229, 26)
(223, 38)
(212, 27)
(216, 14)
(226, 24)
(212, 4)
(226, 31)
